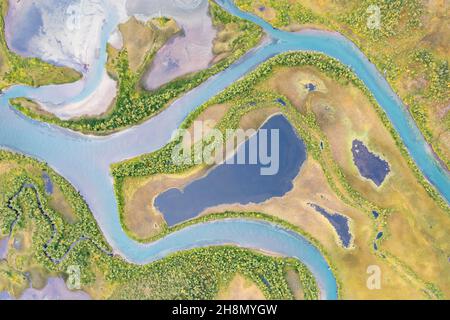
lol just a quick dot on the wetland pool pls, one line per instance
(370, 165)
(238, 183)
(85, 160)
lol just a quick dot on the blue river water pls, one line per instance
(85, 160)
(240, 182)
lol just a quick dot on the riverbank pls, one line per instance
(318, 144)
(119, 274)
(48, 141)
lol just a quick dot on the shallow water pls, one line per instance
(339, 223)
(375, 214)
(5, 296)
(4, 247)
(238, 183)
(245, 233)
(47, 183)
(370, 165)
(310, 86)
(55, 289)
(183, 54)
(85, 160)
(55, 39)
(28, 18)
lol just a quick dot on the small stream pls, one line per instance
(85, 160)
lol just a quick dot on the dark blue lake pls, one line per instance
(339, 222)
(238, 183)
(370, 165)
(30, 25)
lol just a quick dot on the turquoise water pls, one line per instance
(85, 160)
(370, 165)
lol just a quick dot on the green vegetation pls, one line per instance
(410, 37)
(398, 18)
(198, 274)
(232, 34)
(181, 275)
(193, 274)
(240, 93)
(27, 203)
(286, 12)
(134, 106)
(142, 41)
(436, 73)
(28, 71)
(245, 96)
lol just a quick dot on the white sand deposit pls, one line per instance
(95, 104)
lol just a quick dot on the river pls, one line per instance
(85, 160)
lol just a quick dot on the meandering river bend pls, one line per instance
(85, 160)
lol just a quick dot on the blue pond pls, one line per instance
(375, 214)
(238, 183)
(310, 86)
(339, 222)
(264, 280)
(378, 237)
(281, 101)
(370, 165)
(48, 183)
